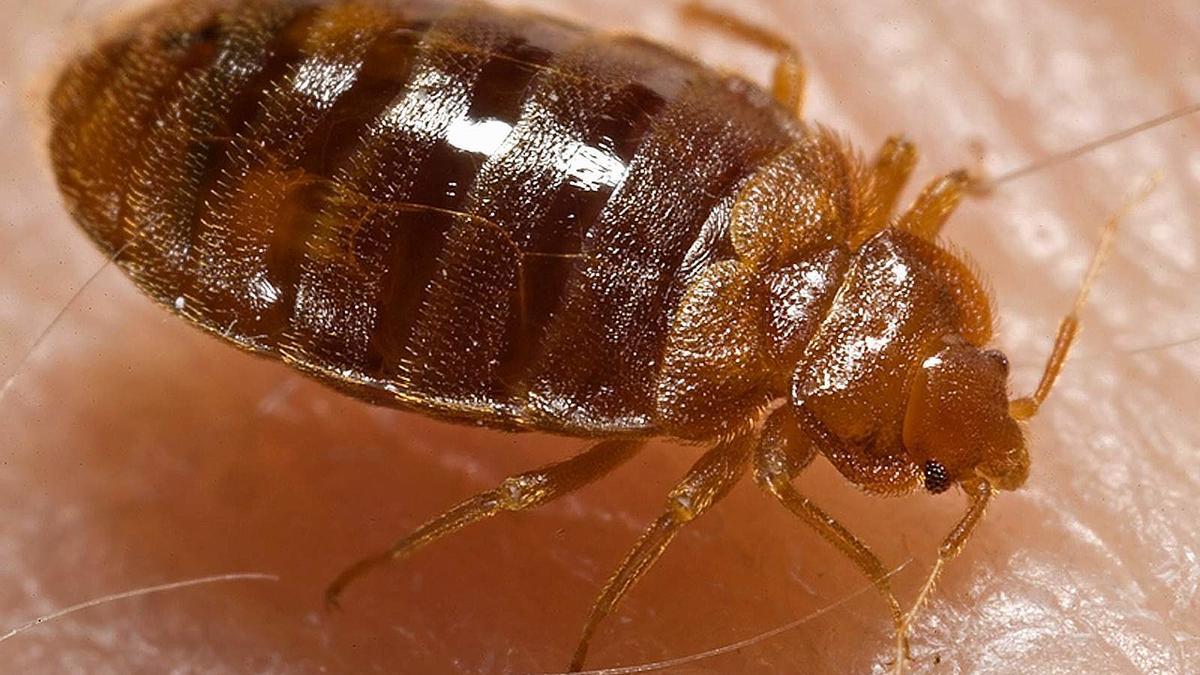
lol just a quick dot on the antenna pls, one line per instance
(987, 185)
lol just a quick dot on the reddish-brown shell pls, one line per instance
(482, 214)
(504, 219)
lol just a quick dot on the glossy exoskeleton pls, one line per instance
(500, 218)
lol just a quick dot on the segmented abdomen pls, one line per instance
(484, 214)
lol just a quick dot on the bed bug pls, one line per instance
(499, 218)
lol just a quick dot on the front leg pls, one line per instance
(979, 494)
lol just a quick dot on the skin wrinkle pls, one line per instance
(1021, 617)
(1109, 635)
(1124, 556)
(1037, 607)
(135, 448)
(1114, 622)
(1140, 502)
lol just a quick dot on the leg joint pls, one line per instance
(682, 506)
(517, 493)
(772, 472)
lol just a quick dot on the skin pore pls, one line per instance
(136, 450)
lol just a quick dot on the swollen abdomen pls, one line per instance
(483, 214)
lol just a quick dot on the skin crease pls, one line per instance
(135, 450)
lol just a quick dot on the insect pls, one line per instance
(500, 218)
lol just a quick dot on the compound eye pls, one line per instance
(937, 479)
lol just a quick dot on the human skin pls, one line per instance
(135, 450)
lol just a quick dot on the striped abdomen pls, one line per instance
(479, 213)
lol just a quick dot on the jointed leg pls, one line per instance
(936, 203)
(941, 197)
(890, 172)
(774, 468)
(979, 492)
(789, 77)
(706, 483)
(516, 493)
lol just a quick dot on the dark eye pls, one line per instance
(937, 480)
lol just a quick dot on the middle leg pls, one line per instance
(709, 479)
(933, 207)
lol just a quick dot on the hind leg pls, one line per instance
(787, 83)
(516, 493)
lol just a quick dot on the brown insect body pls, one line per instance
(471, 212)
(504, 219)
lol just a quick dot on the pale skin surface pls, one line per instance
(136, 450)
